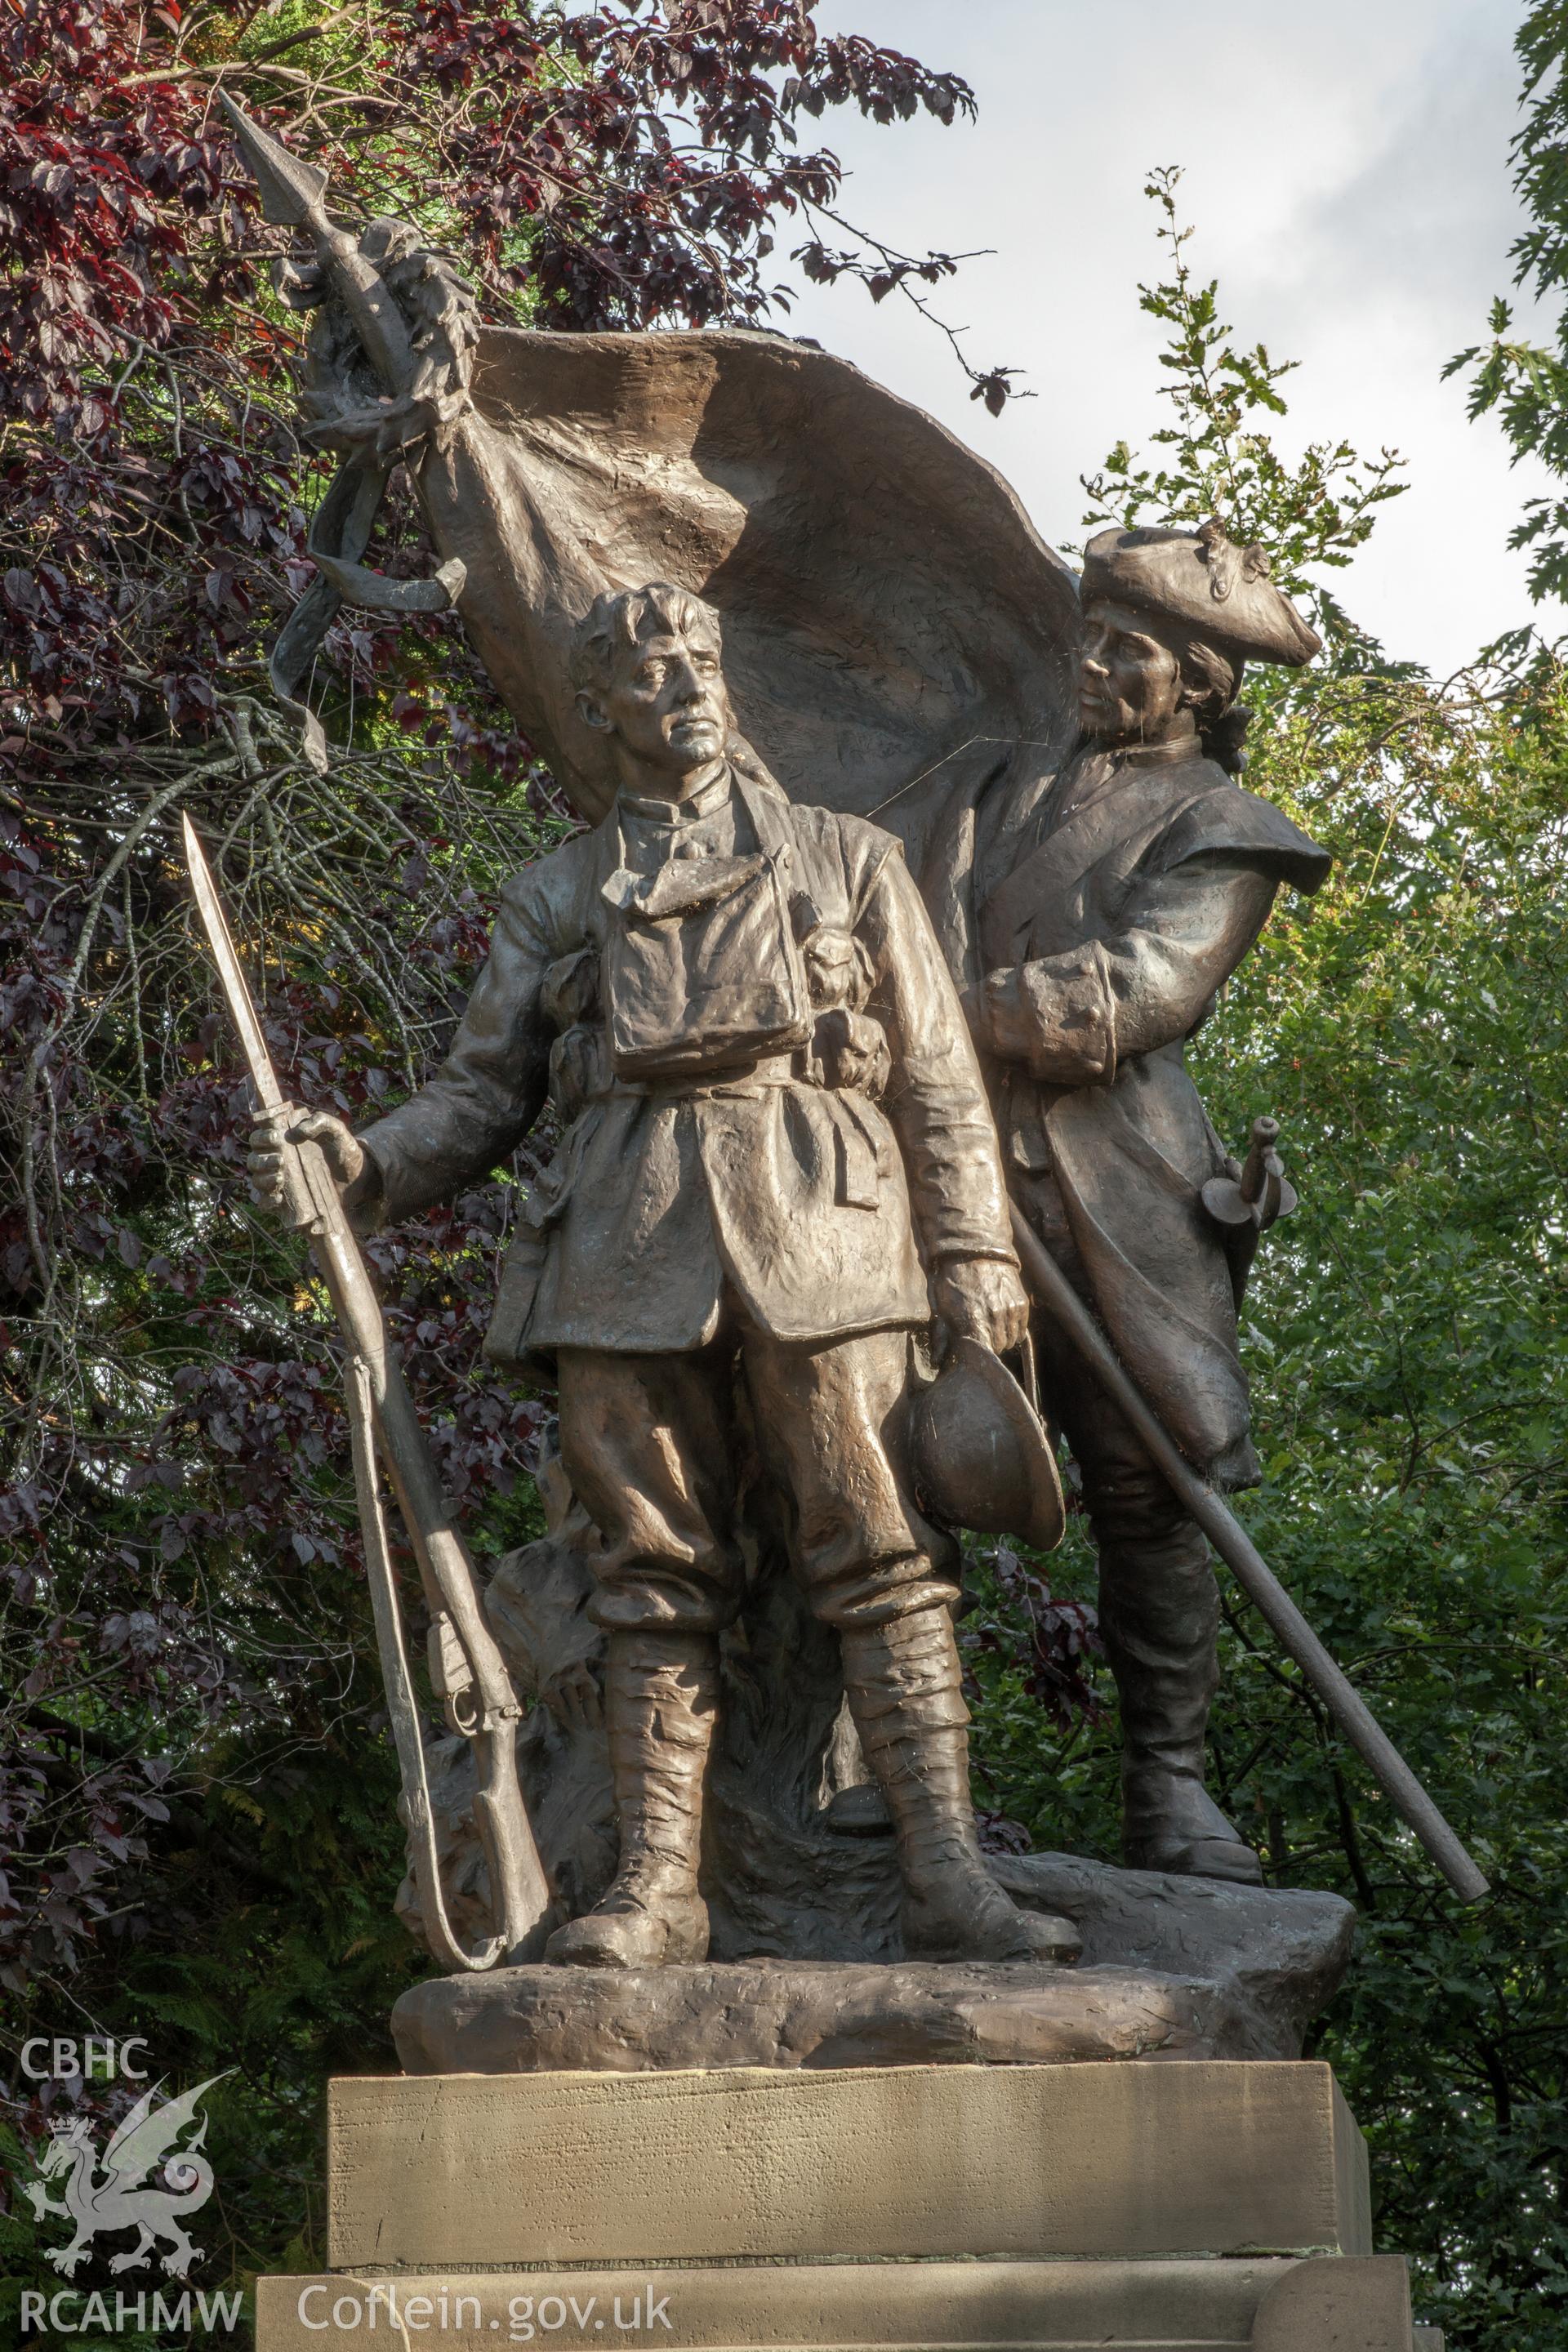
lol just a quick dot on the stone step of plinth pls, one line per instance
(1204, 2157)
(1269, 2305)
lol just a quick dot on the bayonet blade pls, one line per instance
(291, 189)
(231, 973)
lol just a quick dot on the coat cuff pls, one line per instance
(365, 1200)
(1058, 1016)
(964, 1253)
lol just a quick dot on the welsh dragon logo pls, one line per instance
(114, 2192)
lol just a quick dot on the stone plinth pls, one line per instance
(1172, 1968)
(888, 2163)
(1195, 2208)
(1282, 2305)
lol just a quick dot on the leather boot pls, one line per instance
(660, 1690)
(1159, 1615)
(904, 1685)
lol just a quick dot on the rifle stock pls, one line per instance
(450, 1582)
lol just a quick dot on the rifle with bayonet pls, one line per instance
(466, 1667)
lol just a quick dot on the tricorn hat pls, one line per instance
(1203, 580)
(981, 1460)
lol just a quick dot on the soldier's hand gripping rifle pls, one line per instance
(1246, 1563)
(468, 1667)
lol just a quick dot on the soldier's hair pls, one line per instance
(624, 617)
(1211, 680)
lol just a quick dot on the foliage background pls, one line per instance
(196, 1794)
(1410, 1028)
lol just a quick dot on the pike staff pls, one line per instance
(1251, 1571)
(466, 1667)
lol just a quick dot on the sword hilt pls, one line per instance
(1262, 1192)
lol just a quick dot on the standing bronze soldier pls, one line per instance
(1112, 902)
(777, 1161)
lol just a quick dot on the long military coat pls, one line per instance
(819, 1207)
(1109, 914)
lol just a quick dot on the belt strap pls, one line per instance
(774, 1070)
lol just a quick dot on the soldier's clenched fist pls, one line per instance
(271, 1142)
(981, 1299)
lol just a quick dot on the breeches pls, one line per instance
(1157, 1592)
(656, 1450)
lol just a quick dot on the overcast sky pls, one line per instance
(1347, 170)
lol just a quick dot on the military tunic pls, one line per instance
(821, 1207)
(774, 1125)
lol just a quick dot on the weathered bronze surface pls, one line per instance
(807, 1070)
(1171, 1967)
(738, 1220)
(1110, 902)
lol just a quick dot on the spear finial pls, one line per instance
(291, 189)
(291, 197)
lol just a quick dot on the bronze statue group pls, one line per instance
(789, 1138)
(913, 865)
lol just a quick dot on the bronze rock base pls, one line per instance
(1172, 1968)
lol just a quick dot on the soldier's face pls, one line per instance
(666, 702)
(1130, 684)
